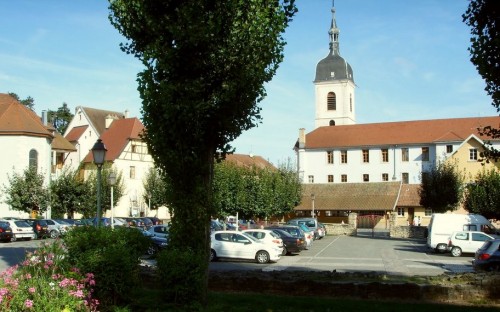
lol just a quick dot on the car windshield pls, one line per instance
(21, 224)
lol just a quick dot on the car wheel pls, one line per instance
(14, 238)
(441, 248)
(285, 251)
(262, 256)
(213, 256)
(153, 249)
(54, 234)
(494, 268)
(456, 251)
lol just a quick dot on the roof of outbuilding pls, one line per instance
(17, 119)
(395, 133)
(61, 144)
(350, 196)
(249, 161)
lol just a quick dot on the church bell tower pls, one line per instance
(334, 85)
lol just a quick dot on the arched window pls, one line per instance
(331, 101)
(33, 158)
(332, 122)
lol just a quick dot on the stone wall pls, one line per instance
(419, 232)
(406, 231)
(340, 229)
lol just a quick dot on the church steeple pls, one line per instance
(334, 85)
(334, 33)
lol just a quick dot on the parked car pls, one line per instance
(20, 230)
(310, 223)
(487, 257)
(5, 231)
(147, 222)
(266, 236)
(159, 230)
(238, 245)
(57, 227)
(322, 226)
(158, 243)
(466, 242)
(291, 244)
(40, 227)
(156, 220)
(216, 225)
(297, 231)
(74, 222)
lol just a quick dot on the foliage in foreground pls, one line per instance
(111, 255)
(441, 188)
(206, 63)
(483, 195)
(45, 282)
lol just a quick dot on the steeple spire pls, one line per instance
(334, 33)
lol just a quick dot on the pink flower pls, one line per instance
(27, 276)
(32, 290)
(78, 293)
(28, 303)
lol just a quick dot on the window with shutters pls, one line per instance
(331, 101)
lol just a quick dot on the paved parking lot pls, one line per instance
(339, 253)
(365, 253)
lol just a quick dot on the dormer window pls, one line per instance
(331, 101)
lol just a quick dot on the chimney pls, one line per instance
(108, 121)
(45, 118)
(126, 113)
(302, 138)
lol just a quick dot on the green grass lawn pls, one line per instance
(244, 302)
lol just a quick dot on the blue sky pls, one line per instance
(409, 58)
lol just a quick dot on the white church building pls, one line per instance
(373, 168)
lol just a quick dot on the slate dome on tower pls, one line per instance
(334, 66)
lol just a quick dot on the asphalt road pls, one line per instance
(339, 253)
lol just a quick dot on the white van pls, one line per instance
(443, 224)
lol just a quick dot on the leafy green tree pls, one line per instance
(255, 192)
(60, 118)
(69, 194)
(441, 188)
(26, 192)
(29, 102)
(483, 16)
(155, 189)
(89, 209)
(206, 63)
(483, 195)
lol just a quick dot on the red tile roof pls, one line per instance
(61, 144)
(17, 119)
(117, 137)
(97, 117)
(403, 132)
(249, 161)
(350, 196)
(75, 133)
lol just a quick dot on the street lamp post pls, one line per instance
(149, 202)
(313, 197)
(99, 154)
(112, 181)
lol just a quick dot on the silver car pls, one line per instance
(159, 230)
